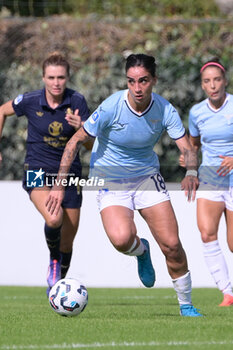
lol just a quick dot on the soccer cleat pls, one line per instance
(227, 300)
(54, 272)
(145, 268)
(189, 311)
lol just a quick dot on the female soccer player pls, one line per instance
(126, 126)
(54, 114)
(211, 128)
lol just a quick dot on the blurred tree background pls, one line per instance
(96, 36)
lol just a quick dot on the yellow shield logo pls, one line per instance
(55, 128)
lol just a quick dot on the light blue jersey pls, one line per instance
(125, 139)
(215, 128)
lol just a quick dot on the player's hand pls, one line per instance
(0, 159)
(190, 184)
(226, 166)
(54, 200)
(181, 161)
(73, 119)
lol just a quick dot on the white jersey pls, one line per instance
(125, 139)
(215, 128)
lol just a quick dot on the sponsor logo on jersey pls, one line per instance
(18, 99)
(35, 178)
(94, 117)
(55, 128)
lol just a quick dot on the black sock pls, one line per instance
(53, 236)
(65, 263)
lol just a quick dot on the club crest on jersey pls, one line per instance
(39, 114)
(94, 117)
(55, 128)
(18, 99)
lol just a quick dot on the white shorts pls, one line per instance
(137, 193)
(218, 196)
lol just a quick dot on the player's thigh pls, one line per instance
(118, 222)
(69, 229)
(229, 223)
(162, 223)
(208, 218)
(39, 197)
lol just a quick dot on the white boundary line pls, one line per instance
(133, 297)
(114, 345)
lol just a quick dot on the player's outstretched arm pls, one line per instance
(56, 195)
(190, 182)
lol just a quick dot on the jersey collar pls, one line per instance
(222, 106)
(66, 99)
(133, 110)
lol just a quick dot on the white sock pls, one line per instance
(136, 252)
(183, 288)
(216, 263)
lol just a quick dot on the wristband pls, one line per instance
(191, 173)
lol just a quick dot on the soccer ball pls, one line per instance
(68, 297)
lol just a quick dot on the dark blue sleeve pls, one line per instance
(84, 111)
(79, 102)
(19, 105)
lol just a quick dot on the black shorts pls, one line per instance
(73, 193)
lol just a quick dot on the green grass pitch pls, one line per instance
(115, 319)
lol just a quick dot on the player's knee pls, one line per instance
(122, 244)
(172, 250)
(208, 232)
(53, 221)
(208, 236)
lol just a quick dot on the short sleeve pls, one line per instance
(193, 129)
(79, 102)
(19, 105)
(173, 123)
(99, 120)
(84, 111)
